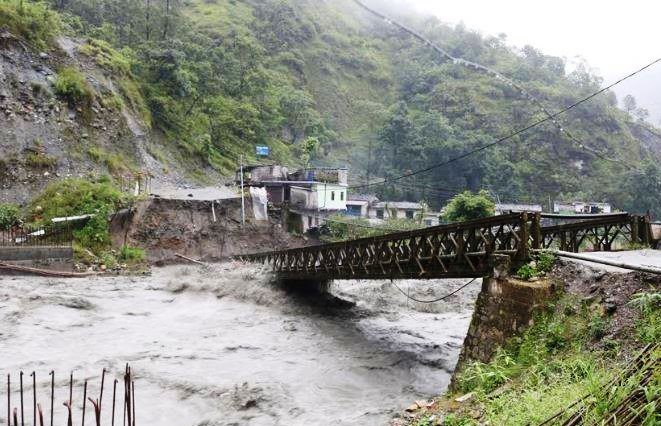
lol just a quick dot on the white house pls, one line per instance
(581, 207)
(395, 210)
(319, 196)
(504, 208)
(369, 207)
(312, 202)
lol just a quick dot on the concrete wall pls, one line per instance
(12, 254)
(319, 197)
(331, 197)
(51, 258)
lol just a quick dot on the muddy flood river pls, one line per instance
(221, 345)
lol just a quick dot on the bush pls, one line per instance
(487, 377)
(469, 206)
(131, 254)
(40, 160)
(117, 164)
(72, 197)
(597, 327)
(33, 22)
(72, 86)
(541, 264)
(94, 235)
(9, 215)
(648, 328)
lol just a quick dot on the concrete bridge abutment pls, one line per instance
(504, 308)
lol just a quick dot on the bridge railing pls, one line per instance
(599, 234)
(460, 250)
(60, 234)
(455, 250)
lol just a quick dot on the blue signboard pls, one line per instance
(262, 151)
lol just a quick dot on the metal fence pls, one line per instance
(56, 234)
(26, 407)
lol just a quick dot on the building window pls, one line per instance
(332, 195)
(409, 214)
(341, 196)
(309, 221)
(428, 222)
(379, 214)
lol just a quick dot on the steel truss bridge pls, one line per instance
(456, 250)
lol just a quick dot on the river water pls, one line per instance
(222, 346)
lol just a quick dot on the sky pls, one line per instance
(615, 37)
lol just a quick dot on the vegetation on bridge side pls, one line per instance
(577, 346)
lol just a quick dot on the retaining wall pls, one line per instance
(51, 258)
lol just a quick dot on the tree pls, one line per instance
(630, 104)
(644, 188)
(469, 206)
(395, 134)
(309, 147)
(641, 114)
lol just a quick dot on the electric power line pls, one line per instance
(435, 300)
(549, 116)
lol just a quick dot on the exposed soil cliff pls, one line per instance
(44, 137)
(196, 229)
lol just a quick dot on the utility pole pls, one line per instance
(369, 161)
(243, 198)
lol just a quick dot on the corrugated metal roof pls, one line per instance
(363, 197)
(403, 205)
(519, 207)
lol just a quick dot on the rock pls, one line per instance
(411, 408)
(475, 414)
(466, 397)
(103, 268)
(590, 299)
(610, 308)
(43, 55)
(85, 135)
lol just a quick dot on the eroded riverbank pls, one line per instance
(222, 346)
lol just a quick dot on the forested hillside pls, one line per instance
(326, 82)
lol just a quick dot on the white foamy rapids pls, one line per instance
(220, 345)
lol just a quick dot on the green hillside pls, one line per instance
(324, 79)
